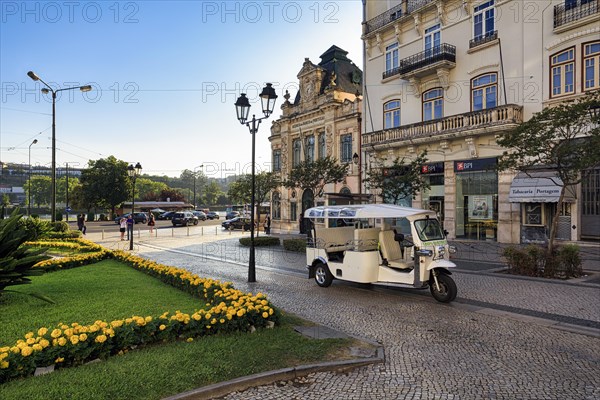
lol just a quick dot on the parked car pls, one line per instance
(184, 218)
(232, 214)
(237, 223)
(200, 214)
(138, 217)
(212, 215)
(166, 216)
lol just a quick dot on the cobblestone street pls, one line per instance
(503, 338)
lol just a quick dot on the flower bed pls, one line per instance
(226, 310)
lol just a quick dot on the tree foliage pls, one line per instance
(402, 179)
(106, 184)
(564, 138)
(314, 175)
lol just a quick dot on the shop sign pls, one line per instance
(433, 168)
(481, 164)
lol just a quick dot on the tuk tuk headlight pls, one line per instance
(441, 251)
(452, 249)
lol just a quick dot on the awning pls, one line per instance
(538, 187)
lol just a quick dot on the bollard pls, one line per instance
(188, 230)
(172, 232)
(202, 231)
(139, 233)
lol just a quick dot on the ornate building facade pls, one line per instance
(449, 76)
(323, 119)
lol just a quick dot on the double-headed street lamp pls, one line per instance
(133, 173)
(47, 90)
(242, 108)
(195, 175)
(29, 181)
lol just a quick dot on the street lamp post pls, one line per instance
(29, 181)
(67, 209)
(46, 90)
(242, 108)
(195, 174)
(133, 173)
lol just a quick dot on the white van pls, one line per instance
(358, 243)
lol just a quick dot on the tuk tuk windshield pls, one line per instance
(429, 229)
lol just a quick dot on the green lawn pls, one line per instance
(111, 290)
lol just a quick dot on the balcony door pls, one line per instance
(432, 40)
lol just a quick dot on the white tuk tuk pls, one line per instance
(357, 243)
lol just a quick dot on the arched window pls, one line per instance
(345, 190)
(297, 151)
(433, 104)
(322, 148)
(484, 89)
(391, 114)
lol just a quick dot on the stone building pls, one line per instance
(322, 119)
(448, 76)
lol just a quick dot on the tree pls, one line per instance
(41, 187)
(171, 195)
(402, 179)
(314, 175)
(148, 190)
(564, 138)
(212, 193)
(240, 191)
(105, 183)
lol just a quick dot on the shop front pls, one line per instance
(433, 198)
(538, 192)
(476, 199)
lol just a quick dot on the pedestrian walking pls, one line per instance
(123, 227)
(151, 223)
(81, 223)
(130, 223)
(268, 225)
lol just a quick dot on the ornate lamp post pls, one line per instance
(133, 173)
(46, 90)
(242, 108)
(29, 181)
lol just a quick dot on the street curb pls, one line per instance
(285, 374)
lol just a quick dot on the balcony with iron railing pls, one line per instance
(485, 38)
(405, 8)
(574, 10)
(467, 124)
(425, 62)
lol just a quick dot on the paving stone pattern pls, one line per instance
(433, 351)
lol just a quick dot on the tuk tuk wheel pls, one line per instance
(447, 291)
(322, 275)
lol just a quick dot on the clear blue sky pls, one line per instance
(165, 76)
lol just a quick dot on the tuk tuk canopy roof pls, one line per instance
(364, 211)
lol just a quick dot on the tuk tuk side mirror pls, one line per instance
(445, 233)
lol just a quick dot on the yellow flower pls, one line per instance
(15, 349)
(59, 360)
(62, 341)
(4, 349)
(265, 315)
(3, 364)
(190, 340)
(162, 327)
(101, 338)
(44, 343)
(30, 341)
(56, 333)
(240, 312)
(28, 335)
(74, 339)
(222, 320)
(83, 337)
(3, 356)
(42, 331)
(37, 347)
(148, 318)
(26, 351)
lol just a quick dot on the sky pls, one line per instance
(164, 74)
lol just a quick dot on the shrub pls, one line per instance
(298, 245)
(571, 260)
(35, 226)
(260, 241)
(58, 216)
(91, 216)
(60, 226)
(63, 235)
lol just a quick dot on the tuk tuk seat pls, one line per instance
(390, 250)
(335, 239)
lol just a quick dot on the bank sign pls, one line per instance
(481, 164)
